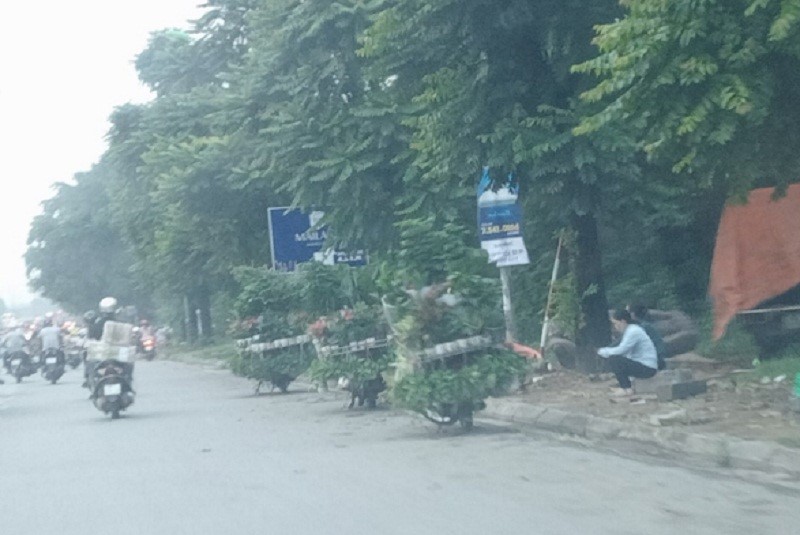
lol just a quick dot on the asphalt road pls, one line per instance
(199, 454)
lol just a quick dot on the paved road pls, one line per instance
(198, 454)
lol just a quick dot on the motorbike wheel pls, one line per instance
(465, 419)
(53, 380)
(282, 383)
(115, 414)
(371, 402)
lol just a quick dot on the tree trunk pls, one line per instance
(595, 331)
(190, 319)
(204, 306)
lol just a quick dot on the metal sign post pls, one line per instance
(508, 308)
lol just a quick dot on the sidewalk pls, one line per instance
(738, 423)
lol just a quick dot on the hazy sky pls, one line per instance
(64, 66)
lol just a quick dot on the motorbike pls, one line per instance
(112, 391)
(74, 357)
(147, 346)
(53, 365)
(21, 365)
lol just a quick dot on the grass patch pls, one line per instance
(786, 363)
(736, 346)
(789, 442)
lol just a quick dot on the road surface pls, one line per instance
(199, 454)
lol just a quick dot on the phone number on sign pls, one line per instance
(495, 229)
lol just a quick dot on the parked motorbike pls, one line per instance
(112, 391)
(21, 365)
(53, 365)
(445, 414)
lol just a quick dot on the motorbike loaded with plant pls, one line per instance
(110, 364)
(353, 348)
(449, 355)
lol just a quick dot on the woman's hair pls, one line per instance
(621, 314)
(639, 310)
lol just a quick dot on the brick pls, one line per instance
(681, 390)
(664, 377)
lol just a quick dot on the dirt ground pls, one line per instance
(735, 403)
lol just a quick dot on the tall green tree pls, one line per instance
(179, 196)
(490, 84)
(713, 88)
(75, 256)
(319, 136)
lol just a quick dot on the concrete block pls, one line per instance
(664, 377)
(671, 392)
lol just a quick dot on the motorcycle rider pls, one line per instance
(108, 312)
(51, 337)
(15, 342)
(95, 325)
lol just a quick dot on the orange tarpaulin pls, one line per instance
(757, 253)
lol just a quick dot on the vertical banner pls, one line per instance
(296, 237)
(499, 222)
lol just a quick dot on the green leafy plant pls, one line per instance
(354, 367)
(279, 367)
(440, 387)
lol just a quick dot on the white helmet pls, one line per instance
(108, 305)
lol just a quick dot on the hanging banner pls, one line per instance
(499, 222)
(296, 237)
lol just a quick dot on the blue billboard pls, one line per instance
(499, 221)
(297, 237)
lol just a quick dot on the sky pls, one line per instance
(64, 66)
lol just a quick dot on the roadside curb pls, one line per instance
(722, 450)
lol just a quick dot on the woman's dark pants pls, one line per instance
(625, 368)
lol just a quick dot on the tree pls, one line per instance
(711, 87)
(75, 257)
(318, 136)
(489, 83)
(178, 195)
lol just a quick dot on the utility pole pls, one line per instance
(508, 307)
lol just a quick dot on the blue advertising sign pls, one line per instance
(296, 237)
(499, 218)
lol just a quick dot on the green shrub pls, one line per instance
(279, 367)
(787, 363)
(737, 345)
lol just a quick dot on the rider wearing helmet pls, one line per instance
(94, 325)
(108, 310)
(50, 335)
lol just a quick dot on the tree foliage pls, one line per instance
(712, 87)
